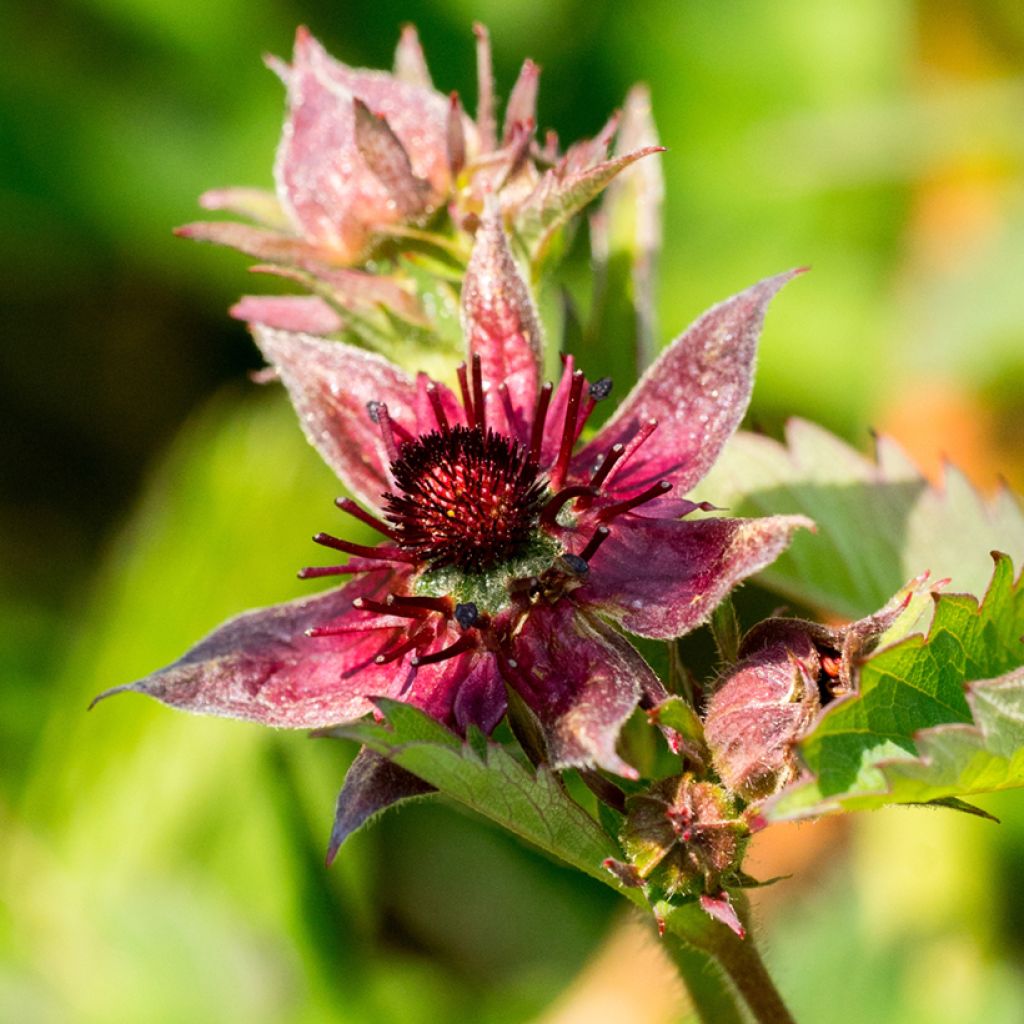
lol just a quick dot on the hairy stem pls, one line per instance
(714, 1000)
(738, 958)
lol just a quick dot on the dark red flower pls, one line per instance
(506, 547)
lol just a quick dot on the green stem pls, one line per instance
(714, 1000)
(738, 958)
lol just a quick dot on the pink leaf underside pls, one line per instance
(583, 681)
(331, 384)
(260, 243)
(698, 390)
(499, 319)
(662, 578)
(322, 179)
(303, 313)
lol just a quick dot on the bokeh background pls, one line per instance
(155, 867)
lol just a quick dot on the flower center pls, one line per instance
(466, 497)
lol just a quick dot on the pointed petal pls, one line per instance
(486, 123)
(372, 784)
(662, 578)
(522, 102)
(354, 290)
(256, 204)
(697, 390)
(386, 157)
(323, 181)
(410, 63)
(559, 195)
(262, 667)
(306, 313)
(499, 318)
(274, 246)
(456, 136)
(330, 385)
(582, 680)
(722, 910)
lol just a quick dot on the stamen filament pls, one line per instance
(313, 572)
(354, 510)
(381, 554)
(408, 644)
(510, 413)
(442, 605)
(607, 462)
(568, 430)
(467, 398)
(549, 514)
(438, 406)
(599, 537)
(368, 604)
(464, 643)
(662, 487)
(539, 416)
(387, 430)
(479, 408)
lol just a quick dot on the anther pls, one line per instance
(599, 537)
(466, 615)
(601, 389)
(577, 564)
(657, 490)
(464, 643)
(539, 416)
(349, 506)
(549, 514)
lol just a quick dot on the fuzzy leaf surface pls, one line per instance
(915, 732)
(531, 802)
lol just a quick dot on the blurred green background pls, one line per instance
(155, 867)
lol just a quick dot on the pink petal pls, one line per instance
(697, 390)
(485, 119)
(722, 910)
(410, 63)
(306, 313)
(330, 385)
(582, 680)
(273, 246)
(255, 204)
(522, 101)
(322, 179)
(499, 318)
(262, 667)
(662, 578)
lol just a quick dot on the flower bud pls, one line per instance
(684, 836)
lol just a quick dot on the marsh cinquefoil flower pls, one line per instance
(508, 549)
(368, 156)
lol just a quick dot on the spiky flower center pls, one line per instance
(465, 497)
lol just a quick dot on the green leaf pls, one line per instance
(914, 733)
(531, 802)
(879, 521)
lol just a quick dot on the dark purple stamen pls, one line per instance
(599, 537)
(601, 389)
(549, 514)
(479, 408)
(464, 643)
(354, 510)
(661, 488)
(568, 431)
(438, 406)
(368, 604)
(386, 655)
(381, 554)
(540, 414)
(576, 563)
